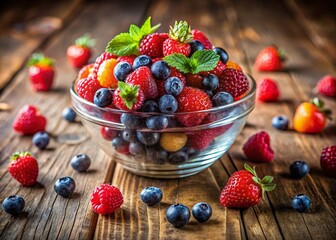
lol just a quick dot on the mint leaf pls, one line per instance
(135, 32)
(147, 28)
(204, 60)
(178, 61)
(122, 44)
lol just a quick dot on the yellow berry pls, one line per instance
(173, 142)
(105, 74)
(231, 64)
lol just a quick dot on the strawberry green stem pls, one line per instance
(85, 41)
(39, 58)
(128, 93)
(17, 155)
(320, 105)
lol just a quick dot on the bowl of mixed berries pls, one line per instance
(163, 105)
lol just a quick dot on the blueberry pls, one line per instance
(150, 106)
(173, 86)
(130, 121)
(210, 82)
(80, 162)
(160, 70)
(129, 135)
(301, 203)
(136, 148)
(151, 195)
(65, 186)
(157, 155)
(178, 215)
(178, 157)
(119, 143)
(280, 122)
(209, 92)
(194, 46)
(201, 212)
(13, 205)
(168, 104)
(121, 70)
(299, 169)
(157, 122)
(142, 60)
(223, 55)
(148, 138)
(221, 99)
(41, 140)
(69, 114)
(103, 97)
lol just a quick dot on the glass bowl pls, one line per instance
(174, 152)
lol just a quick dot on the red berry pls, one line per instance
(87, 87)
(106, 199)
(41, 72)
(200, 36)
(79, 54)
(267, 90)
(327, 86)
(129, 59)
(142, 77)
(161, 87)
(151, 45)
(328, 160)
(108, 133)
(176, 73)
(171, 46)
(258, 148)
(269, 59)
(194, 80)
(24, 168)
(29, 121)
(128, 97)
(201, 139)
(218, 69)
(234, 82)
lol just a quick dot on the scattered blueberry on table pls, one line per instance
(299, 169)
(41, 140)
(80, 162)
(178, 215)
(301, 203)
(202, 212)
(65, 186)
(69, 114)
(13, 205)
(151, 195)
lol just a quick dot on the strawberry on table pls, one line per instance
(41, 72)
(310, 117)
(269, 59)
(24, 168)
(128, 97)
(79, 54)
(267, 90)
(29, 121)
(245, 189)
(327, 86)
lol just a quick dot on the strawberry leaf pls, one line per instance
(178, 61)
(268, 187)
(85, 41)
(206, 60)
(128, 93)
(267, 179)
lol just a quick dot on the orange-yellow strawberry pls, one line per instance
(234, 65)
(105, 74)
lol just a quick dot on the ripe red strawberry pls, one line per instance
(258, 148)
(328, 160)
(176, 73)
(218, 69)
(142, 76)
(151, 45)
(79, 54)
(105, 199)
(87, 87)
(24, 168)
(129, 59)
(41, 72)
(161, 87)
(178, 41)
(234, 82)
(269, 59)
(99, 60)
(327, 86)
(194, 80)
(29, 121)
(128, 97)
(190, 100)
(245, 189)
(267, 90)
(201, 139)
(200, 36)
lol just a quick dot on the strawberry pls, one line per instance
(328, 160)
(79, 54)
(194, 80)
(129, 59)
(24, 168)
(310, 117)
(269, 59)
(201, 139)
(267, 90)
(176, 73)
(178, 41)
(245, 189)
(41, 72)
(200, 36)
(327, 86)
(87, 87)
(142, 76)
(231, 64)
(234, 82)
(29, 121)
(105, 74)
(151, 45)
(218, 69)
(190, 100)
(161, 87)
(128, 97)
(258, 148)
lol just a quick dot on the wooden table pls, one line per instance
(307, 33)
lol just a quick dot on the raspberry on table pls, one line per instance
(106, 199)
(258, 148)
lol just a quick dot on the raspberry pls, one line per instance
(87, 87)
(328, 160)
(200, 140)
(99, 60)
(198, 35)
(106, 199)
(234, 82)
(258, 148)
(151, 45)
(327, 86)
(267, 90)
(129, 59)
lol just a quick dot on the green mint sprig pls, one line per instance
(201, 60)
(125, 44)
